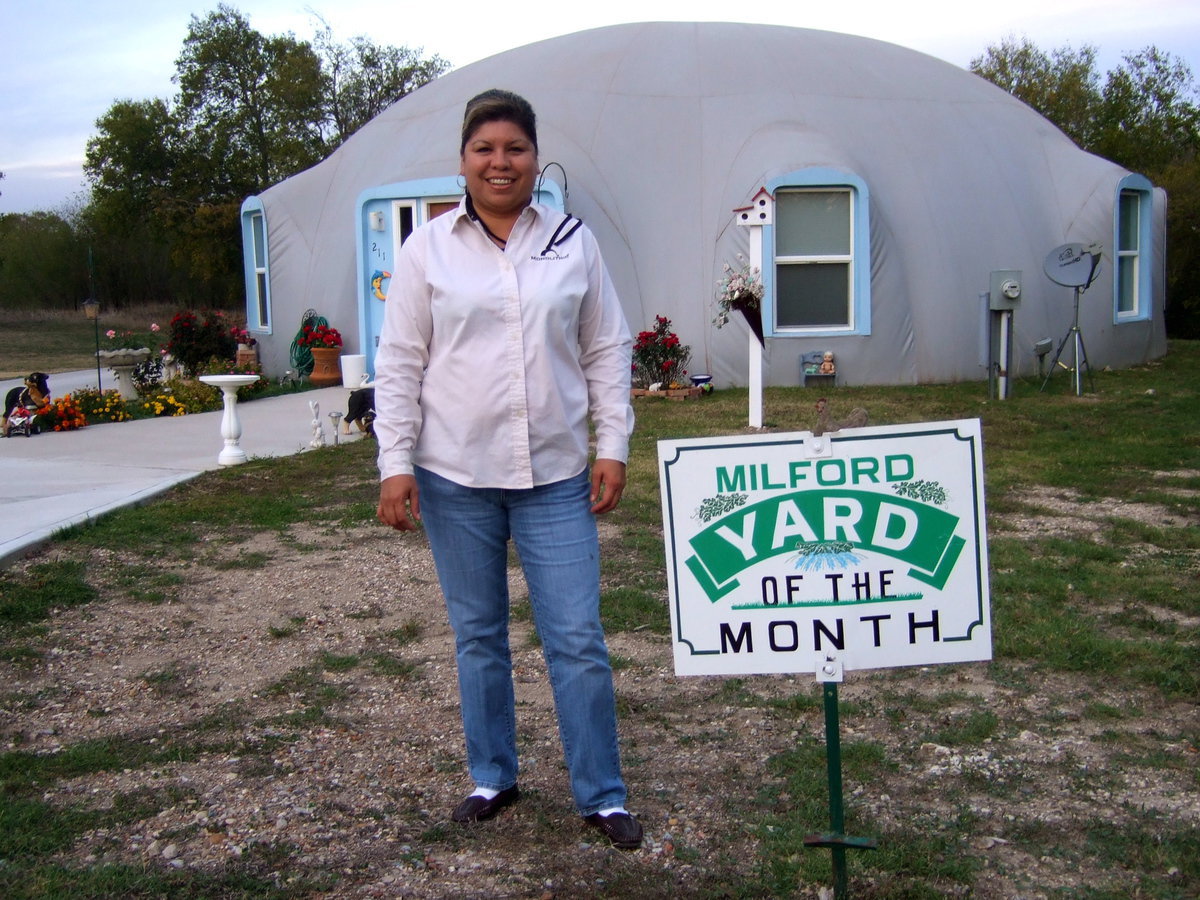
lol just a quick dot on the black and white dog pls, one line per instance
(33, 396)
(361, 410)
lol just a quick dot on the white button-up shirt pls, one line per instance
(490, 361)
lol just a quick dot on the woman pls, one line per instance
(502, 336)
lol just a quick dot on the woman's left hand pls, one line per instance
(608, 483)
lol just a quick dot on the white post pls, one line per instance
(760, 212)
(1005, 353)
(755, 351)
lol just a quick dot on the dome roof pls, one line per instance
(663, 129)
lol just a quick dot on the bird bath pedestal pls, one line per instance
(122, 363)
(231, 426)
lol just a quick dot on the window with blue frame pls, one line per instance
(1132, 255)
(817, 256)
(256, 266)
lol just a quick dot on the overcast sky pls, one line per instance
(64, 62)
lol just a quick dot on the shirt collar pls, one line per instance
(534, 209)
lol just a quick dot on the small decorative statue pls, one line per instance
(827, 367)
(171, 368)
(318, 427)
(856, 419)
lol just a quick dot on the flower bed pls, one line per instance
(97, 406)
(196, 345)
(62, 414)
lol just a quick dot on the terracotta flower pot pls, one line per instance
(326, 370)
(247, 355)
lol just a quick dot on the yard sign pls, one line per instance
(864, 547)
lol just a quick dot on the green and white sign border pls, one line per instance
(908, 495)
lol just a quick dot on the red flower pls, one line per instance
(321, 336)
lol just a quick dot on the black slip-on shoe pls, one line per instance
(621, 828)
(477, 809)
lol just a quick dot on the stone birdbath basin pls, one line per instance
(122, 363)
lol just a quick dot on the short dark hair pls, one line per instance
(496, 105)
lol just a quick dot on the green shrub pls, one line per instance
(188, 395)
(194, 341)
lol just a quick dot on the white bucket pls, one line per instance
(354, 370)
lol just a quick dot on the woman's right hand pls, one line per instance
(399, 504)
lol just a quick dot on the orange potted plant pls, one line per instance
(325, 344)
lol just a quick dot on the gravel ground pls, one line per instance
(311, 708)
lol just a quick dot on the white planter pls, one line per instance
(121, 363)
(123, 356)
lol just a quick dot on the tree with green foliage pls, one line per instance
(251, 105)
(168, 178)
(135, 164)
(42, 262)
(1181, 181)
(132, 161)
(366, 78)
(1062, 85)
(1148, 117)
(1145, 116)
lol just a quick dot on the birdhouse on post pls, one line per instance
(760, 212)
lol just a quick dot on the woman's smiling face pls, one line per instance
(499, 163)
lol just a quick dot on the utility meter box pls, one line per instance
(1004, 292)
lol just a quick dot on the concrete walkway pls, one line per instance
(53, 480)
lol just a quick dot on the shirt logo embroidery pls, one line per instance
(549, 255)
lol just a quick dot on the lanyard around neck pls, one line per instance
(474, 216)
(567, 227)
(555, 238)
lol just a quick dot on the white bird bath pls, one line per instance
(231, 425)
(122, 363)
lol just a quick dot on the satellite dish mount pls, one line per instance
(1074, 266)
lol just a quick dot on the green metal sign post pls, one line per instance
(836, 839)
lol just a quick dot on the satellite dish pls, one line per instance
(1073, 265)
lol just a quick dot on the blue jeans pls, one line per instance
(555, 534)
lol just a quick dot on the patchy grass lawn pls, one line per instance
(246, 689)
